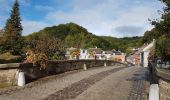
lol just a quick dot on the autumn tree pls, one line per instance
(46, 44)
(12, 37)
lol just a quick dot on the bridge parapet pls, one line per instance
(162, 77)
(9, 72)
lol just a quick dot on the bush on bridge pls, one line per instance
(38, 59)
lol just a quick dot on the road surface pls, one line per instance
(104, 83)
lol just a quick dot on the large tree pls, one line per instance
(163, 25)
(162, 32)
(12, 38)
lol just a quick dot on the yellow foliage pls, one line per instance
(38, 59)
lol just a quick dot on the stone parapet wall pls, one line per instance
(161, 77)
(56, 67)
(9, 72)
(164, 88)
(8, 77)
(9, 66)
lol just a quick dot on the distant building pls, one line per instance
(145, 53)
(140, 56)
(95, 53)
(135, 56)
(108, 54)
(72, 53)
(83, 54)
(118, 56)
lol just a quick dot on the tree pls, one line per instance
(150, 35)
(163, 48)
(162, 33)
(1, 33)
(46, 44)
(12, 40)
(163, 25)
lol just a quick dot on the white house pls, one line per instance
(108, 54)
(145, 53)
(83, 54)
(94, 53)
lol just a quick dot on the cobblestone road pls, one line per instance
(105, 83)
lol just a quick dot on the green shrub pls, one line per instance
(163, 48)
(9, 58)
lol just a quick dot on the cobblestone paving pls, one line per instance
(117, 86)
(105, 83)
(140, 87)
(78, 87)
(47, 86)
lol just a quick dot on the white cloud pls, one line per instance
(103, 17)
(136, 17)
(93, 21)
(32, 26)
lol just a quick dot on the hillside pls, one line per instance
(124, 44)
(73, 35)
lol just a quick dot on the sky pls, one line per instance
(117, 18)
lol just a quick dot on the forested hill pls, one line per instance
(73, 35)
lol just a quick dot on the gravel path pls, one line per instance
(104, 83)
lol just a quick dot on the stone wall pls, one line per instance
(161, 77)
(8, 77)
(164, 88)
(9, 72)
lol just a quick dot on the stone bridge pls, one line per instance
(103, 80)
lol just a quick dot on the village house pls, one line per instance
(72, 53)
(95, 53)
(118, 56)
(140, 55)
(145, 53)
(135, 56)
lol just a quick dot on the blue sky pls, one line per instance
(118, 18)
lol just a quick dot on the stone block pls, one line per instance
(164, 90)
